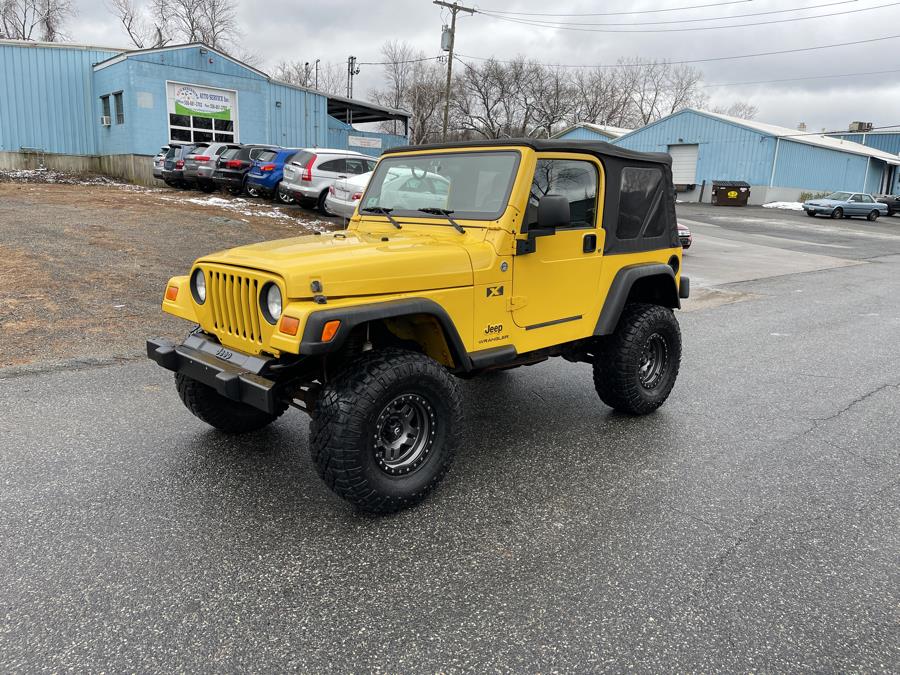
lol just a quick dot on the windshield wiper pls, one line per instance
(446, 213)
(383, 212)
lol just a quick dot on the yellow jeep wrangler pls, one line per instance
(462, 258)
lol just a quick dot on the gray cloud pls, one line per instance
(330, 31)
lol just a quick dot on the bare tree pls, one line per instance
(303, 74)
(34, 19)
(140, 31)
(741, 109)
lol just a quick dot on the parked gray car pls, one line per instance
(311, 171)
(158, 162)
(845, 205)
(200, 164)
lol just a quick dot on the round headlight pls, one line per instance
(198, 287)
(272, 300)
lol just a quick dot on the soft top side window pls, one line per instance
(576, 179)
(639, 203)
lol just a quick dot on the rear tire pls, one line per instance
(282, 196)
(873, 216)
(636, 367)
(384, 431)
(323, 209)
(252, 191)
(226, 415)
(837, 213)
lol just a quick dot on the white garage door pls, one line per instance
(684, 163)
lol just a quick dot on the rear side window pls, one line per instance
(266, 156)
(639, 202)
(336, 165)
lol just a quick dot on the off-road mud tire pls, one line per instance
(619, 359)
(344, 427)
(232, 417)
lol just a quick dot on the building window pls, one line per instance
(104, 105)
(197, 129)
(120, 108)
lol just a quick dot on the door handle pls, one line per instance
(589, 243)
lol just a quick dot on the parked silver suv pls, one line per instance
(200, 164)
(312, 171)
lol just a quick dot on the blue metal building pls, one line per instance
(91, 108)
(778, 163)
(585, 131)
(885, 140)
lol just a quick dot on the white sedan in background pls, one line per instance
(345, 193)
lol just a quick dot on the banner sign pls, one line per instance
(197, 101)
(364, 142)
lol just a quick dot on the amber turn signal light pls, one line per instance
(172, 293)
(289, 325)
(329, 330)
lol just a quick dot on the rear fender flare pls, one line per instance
(657, 278)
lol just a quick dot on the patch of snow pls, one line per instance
(45, 175)
(790, 206)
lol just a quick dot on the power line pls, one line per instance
(644, 11)
(800, 79)
(706, 60)
(714, 18)
(538, 24)
(391, 63)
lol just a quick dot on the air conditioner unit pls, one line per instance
(105, 120)
(861, 126)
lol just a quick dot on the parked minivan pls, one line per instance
(309, 173)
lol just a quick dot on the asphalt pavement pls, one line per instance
(751, 524)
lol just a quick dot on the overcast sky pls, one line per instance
(334, 29)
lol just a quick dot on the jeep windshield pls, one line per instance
(470, 185)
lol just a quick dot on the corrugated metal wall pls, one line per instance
(300, 121)
(584, 134)
(887, 142)
(46, 100)
(339, 137)
(813, 168)
(726, 152)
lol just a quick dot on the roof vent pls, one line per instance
(801, 126)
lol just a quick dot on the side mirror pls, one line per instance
(553, 211)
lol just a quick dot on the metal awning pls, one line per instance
(352, 111)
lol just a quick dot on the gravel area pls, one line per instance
(83, 264)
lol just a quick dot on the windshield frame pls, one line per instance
(458, 215)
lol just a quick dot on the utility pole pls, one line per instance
(306, 74)
(454, 8)
(317, 74)
(352, 69)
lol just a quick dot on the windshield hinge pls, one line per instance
(516, 302)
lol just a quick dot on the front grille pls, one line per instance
(234, 300)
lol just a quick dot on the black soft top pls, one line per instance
(634, 219)
(598, 148)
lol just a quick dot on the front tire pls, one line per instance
(226, 415)
(385, 430)
(636, 367)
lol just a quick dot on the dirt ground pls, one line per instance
(83, 266)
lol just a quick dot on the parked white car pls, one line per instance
(311, 171)
(344, 195)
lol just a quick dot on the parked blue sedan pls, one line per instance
(845, 205)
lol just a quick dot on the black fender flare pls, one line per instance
(351, 317)
(620, 289)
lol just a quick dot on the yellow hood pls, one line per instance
(356, 263)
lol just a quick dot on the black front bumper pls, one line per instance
(234, 375)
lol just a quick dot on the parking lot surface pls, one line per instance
(750, 524)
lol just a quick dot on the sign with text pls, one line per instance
(197, 101)
(363, 142)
